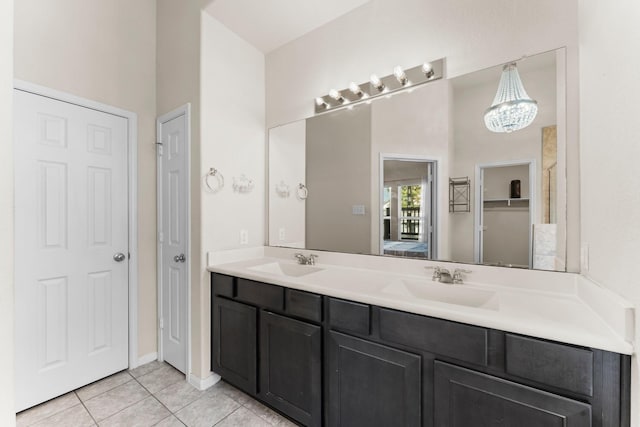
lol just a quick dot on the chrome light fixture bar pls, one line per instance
(399, 80)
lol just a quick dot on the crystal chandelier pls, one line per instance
(512, 109)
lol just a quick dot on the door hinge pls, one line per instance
(161, 323)
(159, 145)
(160, 236)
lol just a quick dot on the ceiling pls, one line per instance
(269, 24)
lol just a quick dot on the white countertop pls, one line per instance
(557, 306)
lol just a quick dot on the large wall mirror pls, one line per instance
(419, 175)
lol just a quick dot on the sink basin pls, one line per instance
(450, 294)
(286, 269)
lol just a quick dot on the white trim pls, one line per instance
(203, 383)
(479, 200)
(132, 143)
(436, 217)
(186, 111)
(147, 358)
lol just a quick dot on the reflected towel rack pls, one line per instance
(460, 194)
(302, 192)
(216, 185)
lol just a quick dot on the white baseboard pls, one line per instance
(147, 358)
(204, 383)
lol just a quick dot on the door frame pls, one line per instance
(186, 111)
(479, 203)
(435, 213)
(132, 199)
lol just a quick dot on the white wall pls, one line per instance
(232, 141)
(610, 151)
(7, 411)
(471, 35)
(287, 159)
(104, 51)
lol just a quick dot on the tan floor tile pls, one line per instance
(146, 368)
(178, 395)
(267, 414)
(145, 413)
(171, 421)
(207, 411)
(161, 378)
(47, 409)
(76, 416)
(99, 387)
(115, 400)
(243, 418)
(233, 392)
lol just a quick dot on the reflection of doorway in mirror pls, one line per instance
(504, 224)
(408, 207)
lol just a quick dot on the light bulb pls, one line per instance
(336, 95)
(320, 102)
(427, 69)
(400, 75)
(376, 82)
(355, 89)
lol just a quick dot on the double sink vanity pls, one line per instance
(373, 341)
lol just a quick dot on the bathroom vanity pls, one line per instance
(323, 359)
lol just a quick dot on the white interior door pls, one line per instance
(173, 195)
(71, 247)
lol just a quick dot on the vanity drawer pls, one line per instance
(350, 316)
(222, 284)
(303, 304)
(459, 341)
(260, 294)
(557, 365)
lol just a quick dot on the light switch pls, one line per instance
(357, 210)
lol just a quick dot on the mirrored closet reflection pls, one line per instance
(380, 176)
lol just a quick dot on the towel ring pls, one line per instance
(302, 192)
(216, 185)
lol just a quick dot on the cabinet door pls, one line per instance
(290, 367)
(234, 343)
(371, 384)
(467, 398)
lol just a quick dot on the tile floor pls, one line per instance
(154, 394)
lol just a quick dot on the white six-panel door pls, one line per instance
(71, 284)
(173, 239)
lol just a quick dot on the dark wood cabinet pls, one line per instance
(291, 368)
(324, 361)
(371, 384)
(468, 398)
(234, 343)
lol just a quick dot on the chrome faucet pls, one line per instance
(443, 275)
(458, 275)
(310, 260)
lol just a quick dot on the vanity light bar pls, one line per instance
(399, 80)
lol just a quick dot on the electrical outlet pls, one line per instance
(282, 234)
(244, 237)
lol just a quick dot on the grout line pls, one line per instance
(86, 409)
(229, 414)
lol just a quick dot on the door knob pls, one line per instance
(179, 258)
(119, 257)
